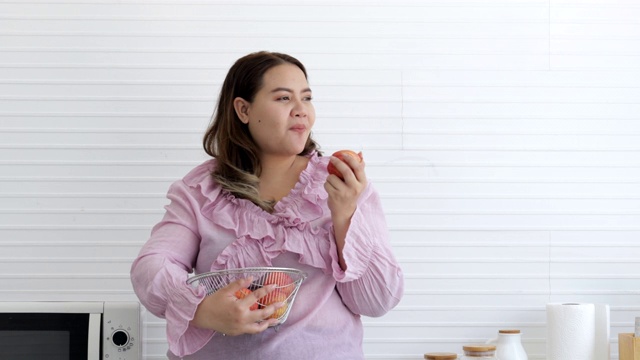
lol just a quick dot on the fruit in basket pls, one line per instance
(242, 293)
(340, 154)
(283, 281)
(274, 297)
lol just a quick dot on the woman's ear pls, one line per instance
(242, 109)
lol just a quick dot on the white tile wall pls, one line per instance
(502, 135)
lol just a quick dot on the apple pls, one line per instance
(242, 293)
(274, 297)
(283, 281)
(340, 154)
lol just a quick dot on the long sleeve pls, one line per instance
(160, 272)
(373, 283)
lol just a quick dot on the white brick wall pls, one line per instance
(503, 136)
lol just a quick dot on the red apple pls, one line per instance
(274, 297)
(283, 281)
(242, 293)
(340, 154)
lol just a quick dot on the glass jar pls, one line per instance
(440, 356)
(479, 352)
(509, 345)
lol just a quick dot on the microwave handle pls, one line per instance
(93, 345)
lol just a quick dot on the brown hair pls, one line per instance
(228, 140)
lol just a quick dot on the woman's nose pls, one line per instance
(299, 110)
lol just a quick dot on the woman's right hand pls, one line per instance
(223, 312)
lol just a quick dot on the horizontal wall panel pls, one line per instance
(466, 154)
(469, 315)
(521, 124)
(192, 42)
(148, 71)
(108, 89)
(544, 220)
(25, 201)
(87, 184)
(82, 217)
(37, 121)
(487, 265)
(595, 29)
(514, 202)
(102, 170)
(595, 239)
(595, 284)
(596, 13)
(468, 251)
(95, 236)
(89, 152)
(482, 186)
(314, 12)
(515, 172)
(523, 94)
(63, 247)
(94, 265)
(514, 284)
(123, 136)
(591, 252)
(596, 266)
(582, 61)
(614, 46)
(530, 109)
(554, 80)
(470, 298)
(106, 104)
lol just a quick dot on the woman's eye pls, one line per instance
(283, 98)
(308, 98)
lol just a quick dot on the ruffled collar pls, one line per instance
(300, 205)
(260, 235)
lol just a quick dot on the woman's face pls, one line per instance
(281, 115)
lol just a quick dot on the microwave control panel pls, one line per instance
(121, 338)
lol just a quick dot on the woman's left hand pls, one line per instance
(343, 197)
(344, 194)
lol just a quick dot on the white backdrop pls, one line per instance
(504, 137)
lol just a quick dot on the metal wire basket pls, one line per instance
(287, 280)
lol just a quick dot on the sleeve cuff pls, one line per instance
(183, 338)
(360, 241)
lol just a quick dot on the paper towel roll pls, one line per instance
(577, 332)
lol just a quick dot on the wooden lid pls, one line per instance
(509, 331)
(440, 356)
(479, 347)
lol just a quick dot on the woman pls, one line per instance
(266, 199)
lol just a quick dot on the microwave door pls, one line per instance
(51, 336)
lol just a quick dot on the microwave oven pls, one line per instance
(65, 330)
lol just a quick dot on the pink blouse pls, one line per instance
(206, 228)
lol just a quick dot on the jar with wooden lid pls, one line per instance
(441, 356)
(509, 345)
(479, 352)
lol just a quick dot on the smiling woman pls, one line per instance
(265, 199)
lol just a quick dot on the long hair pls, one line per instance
(228, 140)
